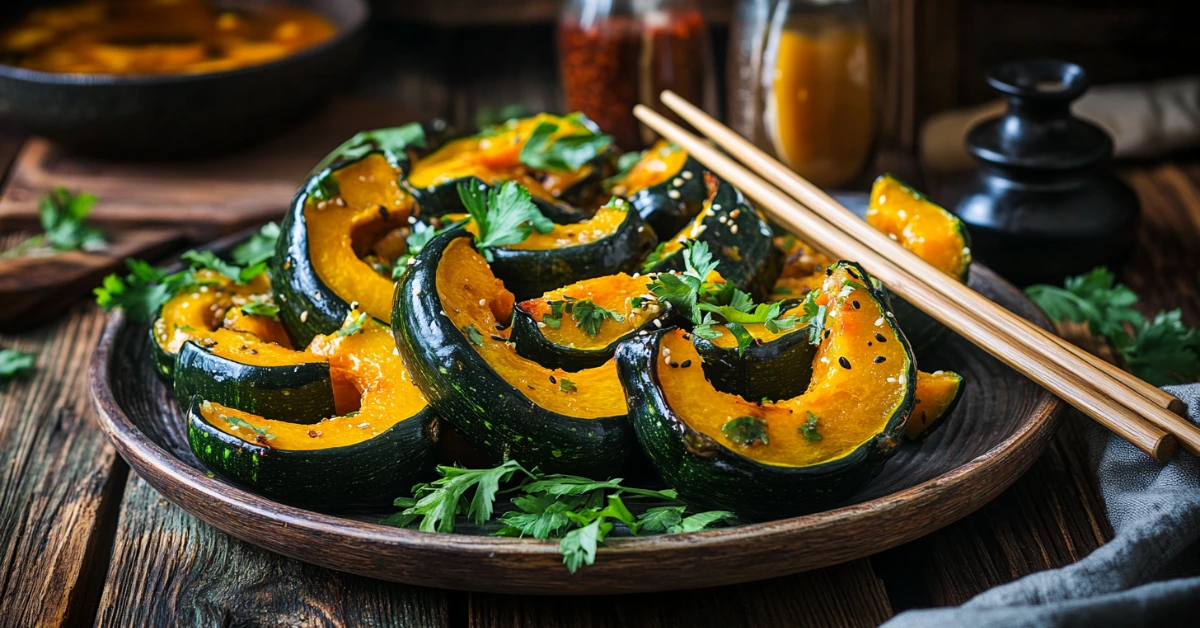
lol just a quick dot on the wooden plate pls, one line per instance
(1001, 425)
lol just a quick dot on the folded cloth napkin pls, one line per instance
(1147, 575)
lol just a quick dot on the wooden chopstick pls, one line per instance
(1143, 399)
(805, 192)
(1063, 382)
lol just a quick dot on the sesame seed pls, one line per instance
(891, 380)
(552, 380)
(880, 359)
(677, 181)
(354, 305)
(303, 315)
(716, 206)
(844, 362)
(880, 337)
(482, 302)
(497, 338)
(541, 325)
(879, 322)
(673, 193)
(657, 323)
(733, 229)
(674, 365)
(903, 379)
(686, 363)
(687, 174)
(856, 304)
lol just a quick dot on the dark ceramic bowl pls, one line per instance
(182, 115)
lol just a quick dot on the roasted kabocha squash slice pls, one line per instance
(737, 236)
(385, 438)
(520, 150)
(937, 395)
(579, 326)
(320, 268)
(612, 241)
(764, 459)
(450, 323)
(776, 365)
(934, 234)
(803, 269)
(665, 185)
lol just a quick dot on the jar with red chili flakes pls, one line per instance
(615, 54)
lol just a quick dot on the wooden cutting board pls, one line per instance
(147, 209)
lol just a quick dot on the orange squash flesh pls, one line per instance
(936, 392)
(852, 405)
(612, 292)
(472, 296)
(365, 363)
(495, 158)
(803, 269)
(931, 232)
(659, 163)
(342, 230)
(602, 224)
(204, 313)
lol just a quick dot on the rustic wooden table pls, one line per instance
(84, 541)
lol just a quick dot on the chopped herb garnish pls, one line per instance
(809, 428)
(589, 316)
(746, 431)
(209, 260)
(473, 335)
(566, 153)
(354, 326)
(64, 225)
(566, 385)
(502, 216)
(259, 248)
(260, 308)
(143, 291)
(15, 363)
(240, 422)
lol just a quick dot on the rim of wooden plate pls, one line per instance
(733, 555)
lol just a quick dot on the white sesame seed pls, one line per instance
(657, 323)
(879, 322)
(677, 182)
(733, 229)
(541, 325)
(673, 193)
(641, 229)
(412, 220)
(354, 305)
(891, 380)
(687, 174)
(304, 316)
(482, 302)
(903, 379)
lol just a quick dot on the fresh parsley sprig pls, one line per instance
(15, 363)
(1161, 350)
(565, 153)
(502, 216)
(259, 248)
(143, 291)
(64, 225)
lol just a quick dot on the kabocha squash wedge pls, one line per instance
(803, 269)
(776, 459)
(494, 156)
(318, 270)
(776, 365)
(934, 234)
(450, 325)
(737, 236)
(555, 330)
(367, 456)
(937, 395)
(611, 241)
(666, 186)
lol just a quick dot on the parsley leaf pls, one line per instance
(473, 335)
(1164, 351)
(393, 142)
(809, 428)
(143, 291)
(209, 260)
(589, 316)
(15, 363)
(566, 153)
(566, 385)
(260, 308)
(64, 225)
(813, 318)
(437, 503)
(259, 248)
(746, 431)
(504, 215)
(702, 520)
(240, 422)
(354, 326)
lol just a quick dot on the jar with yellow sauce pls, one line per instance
(804, 85)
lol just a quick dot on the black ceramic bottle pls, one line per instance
(1041, 206)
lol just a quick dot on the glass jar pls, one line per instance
(615, 54)
(804, 85)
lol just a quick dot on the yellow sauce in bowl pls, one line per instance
(158, 36)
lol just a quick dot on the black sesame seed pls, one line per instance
(880, 359)
(826, 333)
(686, 363)
(499, 327)
(674, 365)
(855, 304)
(497, 338)
(552, 380)
(880, 337)
(870, 344)
(828, 272)
(844, 362)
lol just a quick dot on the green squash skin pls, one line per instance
(164, 361)
(530, 274)
(668, 215)
(297, 393)
(491, 415)
(711, 475)
(533, 345)
(758, 261)
(292, 274)
(371, 473)
(779, 369)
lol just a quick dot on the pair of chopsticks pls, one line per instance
(1135, 410)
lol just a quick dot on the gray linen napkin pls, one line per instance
(1148, 575)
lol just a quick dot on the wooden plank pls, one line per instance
(844, 595)
(60, 480)
(170, 569)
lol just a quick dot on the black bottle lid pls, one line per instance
(1038, 131)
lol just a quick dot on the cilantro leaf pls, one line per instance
(502, 216)
(566, 153)
(578, 547)
(259, 248)
(240, 422)
(354, 326)
(746, 431)
(566, 385)
(260, 308)
(393, 142)
(809, 429)
(15, 363)
(589, 316)
(437, 502)
(473, 335)
(143, 291)
(209, 260)
(64, 225)
(702, 520)
(660, 518)
(1164, 351)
